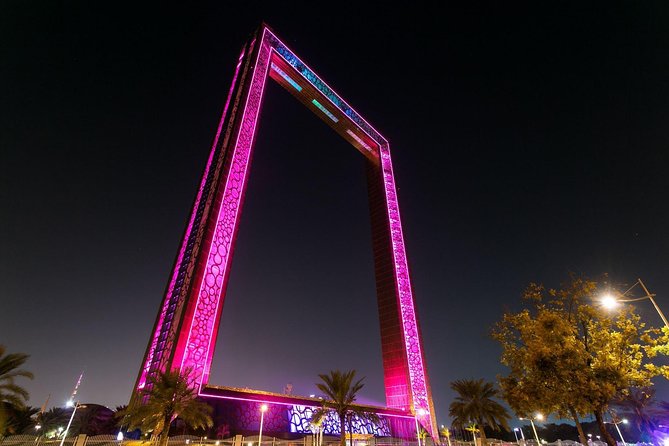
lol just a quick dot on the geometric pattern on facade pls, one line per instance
(300, 422)
(186, 327)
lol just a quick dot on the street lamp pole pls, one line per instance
(535, 432)
(538, 416)
(609, 301)
(616, 423)
(650, 296)
(620, 434)
(76, 406)
(263, 409)
(419, 413)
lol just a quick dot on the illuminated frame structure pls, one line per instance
(185, 331)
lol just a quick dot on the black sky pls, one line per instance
(529, 141)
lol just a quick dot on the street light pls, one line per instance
(616, 423)
(263, 409)
(539, 417)
(609, 301)
(69, 423)
(420, 413)
(522, 434)
(39, 434)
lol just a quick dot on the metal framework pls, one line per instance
(185, 331)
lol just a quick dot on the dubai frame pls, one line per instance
(185, 331)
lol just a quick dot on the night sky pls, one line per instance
(529, 142)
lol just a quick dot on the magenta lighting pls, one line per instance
(186, 327)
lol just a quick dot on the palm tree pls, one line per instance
(52, 419)
(11, 394)
(637, 406)
(20, 420)
(340, 391)
(475, 404)
(167, 397)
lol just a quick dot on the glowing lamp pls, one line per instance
(609, 302)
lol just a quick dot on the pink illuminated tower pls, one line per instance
(184, 334)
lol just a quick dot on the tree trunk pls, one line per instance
(602, 428)
(579, 427)
(165, 434)
(342, 433)
(484, 440)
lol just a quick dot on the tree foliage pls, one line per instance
(52, 419)
(19, 420)
(568, 356)
(168, 395)
(340, 390)
(12, 395)
(475, 405)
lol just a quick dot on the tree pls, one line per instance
(475, 404)
(52, 419)
(12, 396)
(638, 408)
(94, 419)
(20, 420)
(340, 391)
(168, 395)
(569, 357)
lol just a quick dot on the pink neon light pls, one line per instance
(189, 228)
(200, 339)
(403, 283)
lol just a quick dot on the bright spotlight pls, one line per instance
(540, 417)
(609, 302)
